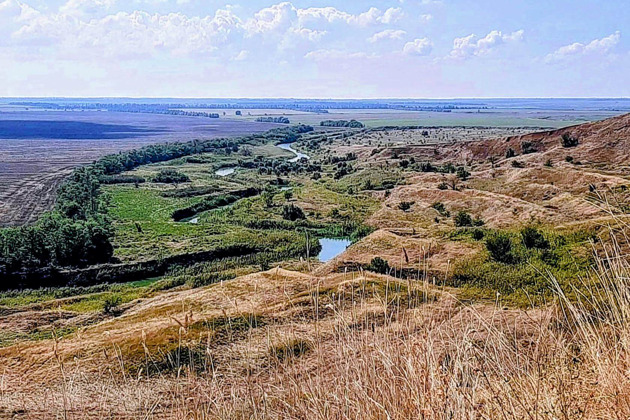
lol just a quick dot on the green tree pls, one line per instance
(378, 265)
(500, 247)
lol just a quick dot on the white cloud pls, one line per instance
(419, 47)
(392, 15)
(84, 29)
(333, 15)
(86, 7)
(337, 55)
(595, 47)
(426, 18)
(471, 45)
(272, 19)
(134, 34)
(387, 34)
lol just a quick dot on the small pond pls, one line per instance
(332, 248)
(225, 171)
(298, 155)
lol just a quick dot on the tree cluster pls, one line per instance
(342, 124)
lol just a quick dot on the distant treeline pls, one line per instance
(78, 232)
(342, 124)
(277, 120)
(315, 106)
(192, 113)
(164, 109)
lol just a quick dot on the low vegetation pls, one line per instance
(342, 124)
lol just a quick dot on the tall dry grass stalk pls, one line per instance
(451, 361)
(359, 353)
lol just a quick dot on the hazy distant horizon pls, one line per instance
(280, 98)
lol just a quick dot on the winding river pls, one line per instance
(298, 155)
(225, 171)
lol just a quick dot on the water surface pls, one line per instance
(332, 248)
(298, 155)
(225, 171)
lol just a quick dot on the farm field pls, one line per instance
(39, 148)
(470, 118)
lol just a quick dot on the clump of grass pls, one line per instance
(291, 349)
(111, 303)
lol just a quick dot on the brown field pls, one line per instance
(33, 165)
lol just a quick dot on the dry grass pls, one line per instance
(287, 345)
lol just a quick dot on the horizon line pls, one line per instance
(327, 98)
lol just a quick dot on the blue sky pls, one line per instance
(316, 49)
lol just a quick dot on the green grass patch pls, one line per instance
(521, 275)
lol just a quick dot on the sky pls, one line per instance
(315, 49)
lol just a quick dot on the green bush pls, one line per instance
(378, 265)
(440, 208)
(170, 176)
(478, 234)
(111, 303)
(499, 245)
(464, 219)
(569, 141)
(293, 213)
(528, 147)
(462, 173)
(533, 238)
(405, 205)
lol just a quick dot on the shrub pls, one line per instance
(463, 219)
(170, 176)
(569, 159)
(293, 213)
(478, 234)
(405, 205)
(528, 148)
(462, 173)
(111, 303)
(499, 246)
(533, 238)
(441, 209)
(569, 141)
(510, 153)
(443, 186)
(517, 164)
(378, 265)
